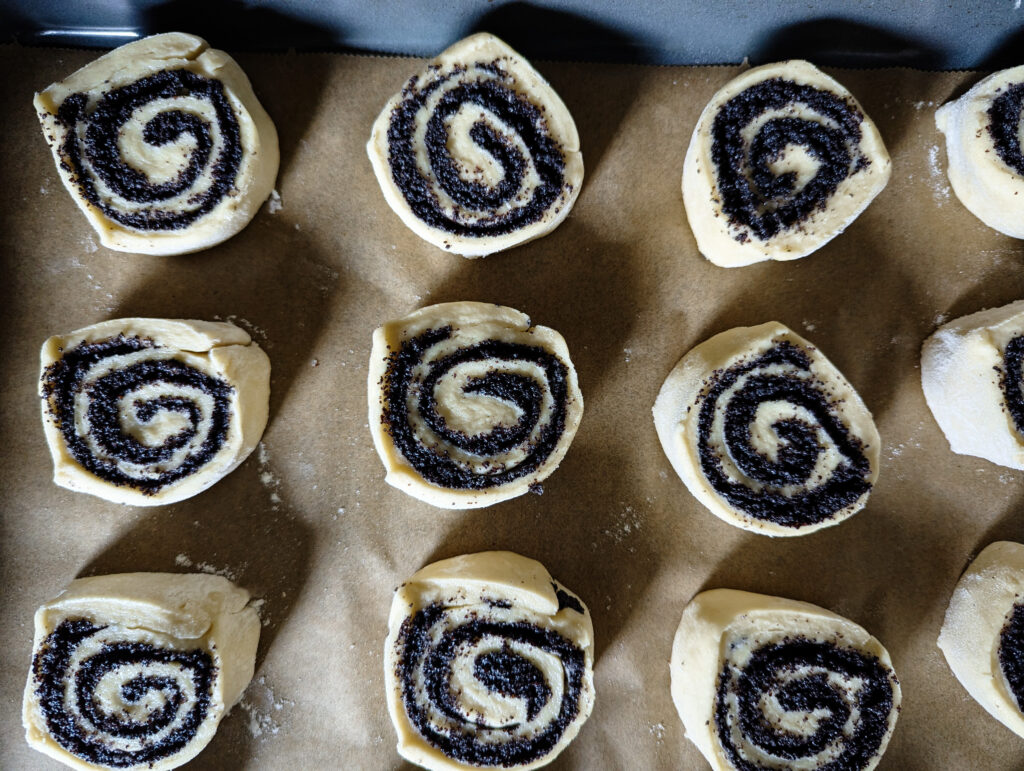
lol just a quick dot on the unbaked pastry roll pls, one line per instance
(488, 662)
(152, 411)
(972, 372)
(982, 636)
(986, 165)
(767, 433)
(764, 682)
(162, 144)
(136, 670)
(477, 153)
(470, 403)
(782, 159)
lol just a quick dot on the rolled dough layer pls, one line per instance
(767, 433)
(477, 153)
(819, 689)
(488, 663)
(136, 670)
(470, 403)
(781, 161)
(152, 411)
(162, 144)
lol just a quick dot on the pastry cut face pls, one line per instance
(767, 433)
(765, 682)
(982, 636)
(972, 373)
(488, 663)
(477, 153)
(782, 159)
(986, 165)
(152, 411)
(136, 670)
(470, 403)
(162, 144)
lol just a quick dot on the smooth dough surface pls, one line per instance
(488, 662)
(985, 163)
(477, 153)
(152, 411)
(470, 403)
(978, 626)
(136, 670)
(162, 144)
(781, 161)
(811, 679)
(767, 433)
(971, 374)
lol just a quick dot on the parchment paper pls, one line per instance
(308, 524)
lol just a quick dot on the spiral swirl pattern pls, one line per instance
(488, 686)
(752, 132)
(1011, 653)
(176, 119)
(505, 125)
(133, 414)
(1012, 380)
(113, 698)
(771, 443)
(803, 700)
(430, 374)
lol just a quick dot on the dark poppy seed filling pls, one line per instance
(536, 434)
(107, 450)
(1004, 126)
(126, 194)
(67, 676)
(429, 649)
(781, 374)
(1011, 653)
(1011, 380)
(801, 675)
(752, 195)
(485, 87)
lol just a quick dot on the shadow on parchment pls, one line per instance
(586, 289)
(572, 529)
(844, 43)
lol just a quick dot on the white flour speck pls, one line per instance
(628, 352)
(89, 245)
(940, 319)
(274, 203)
(810, 326)
(184, 561)
(940, 190)
(258, 703)
(658, 731)
(267, 477)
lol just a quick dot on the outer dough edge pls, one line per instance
(563, 129)
(258, 134)
(962, 389)
(207, 608)
(696, 655)
(676, 416)
(388, 337)
(231, 354)
(710, 226)
(977, 612)
(492, 574)
(983, 183)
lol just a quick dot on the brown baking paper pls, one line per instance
(308, 524)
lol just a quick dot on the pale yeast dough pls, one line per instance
(677, 412)
(730, 244)
(463, 411)
(218, 349)
(161, 164)
(497, 587)
(479, 58)
(978, 609)
(992, 190)
(724, 626)
(165, 611)
(962, 371)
